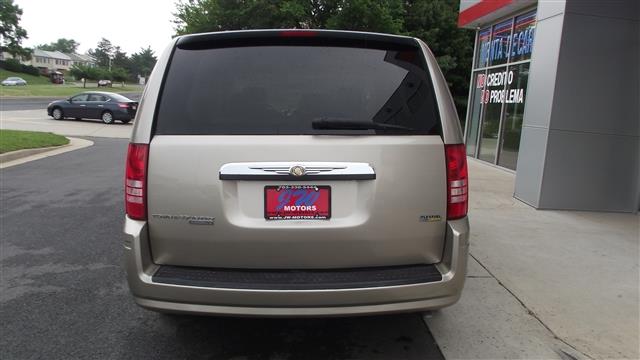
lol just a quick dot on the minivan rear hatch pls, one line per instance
(296, 150)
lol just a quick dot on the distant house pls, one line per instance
(80, 59)
(53, 61)
(49, 61)
(6, 56)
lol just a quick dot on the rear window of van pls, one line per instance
(271, 90)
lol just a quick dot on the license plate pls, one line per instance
(297, 202)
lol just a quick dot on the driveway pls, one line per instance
(37, 120)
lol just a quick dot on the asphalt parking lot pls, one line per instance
(37, 120)
(64, 292)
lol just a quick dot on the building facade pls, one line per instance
(53, 61)
(83, 60)
(554, 96)
(49, 61)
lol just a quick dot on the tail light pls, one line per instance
(123, 105)
(457, 181)
(135, 183)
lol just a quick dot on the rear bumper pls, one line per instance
(297, 303)
(123, 115)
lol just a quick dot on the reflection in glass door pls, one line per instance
(513, 114)
(474, 115)
(492, 98)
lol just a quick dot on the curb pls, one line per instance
(23, 156)
(19, 154)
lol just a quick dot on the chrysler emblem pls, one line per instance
(297, 170)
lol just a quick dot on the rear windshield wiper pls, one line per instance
(339, 124)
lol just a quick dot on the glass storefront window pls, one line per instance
(513, 113)
(492, 98)
(474, 117)
(500, 39)
(482, 48)
(522, 40)
(495, 114)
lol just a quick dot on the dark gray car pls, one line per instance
(105, 106)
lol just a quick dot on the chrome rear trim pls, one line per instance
(297, 171)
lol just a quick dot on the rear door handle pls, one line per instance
(297, 171)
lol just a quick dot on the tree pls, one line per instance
(197, 16)
(120, 58)
(11, 33)
(119, 74)
(102, 73)
(84, 72)
(217, 15)
(103, 53)
(67, 46)
(143, 62)
(368, 15)
(435, 22)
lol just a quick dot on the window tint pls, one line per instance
(81, 97)
(282, 89)
(97, 97)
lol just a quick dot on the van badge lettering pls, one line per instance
(191, 219)
(430, 218)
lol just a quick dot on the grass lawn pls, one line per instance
(11, 140)
(31, 79)
(41, 86)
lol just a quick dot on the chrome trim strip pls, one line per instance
(282, 171)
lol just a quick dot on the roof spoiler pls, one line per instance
(295, 37)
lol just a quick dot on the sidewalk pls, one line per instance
(575, 276)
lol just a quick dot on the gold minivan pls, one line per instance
(296, 173)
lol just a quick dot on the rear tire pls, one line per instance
(78, 118)
(107, 117)
(125, 121)
(57, 114)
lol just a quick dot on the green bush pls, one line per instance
(11, 65)
(15, 66)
